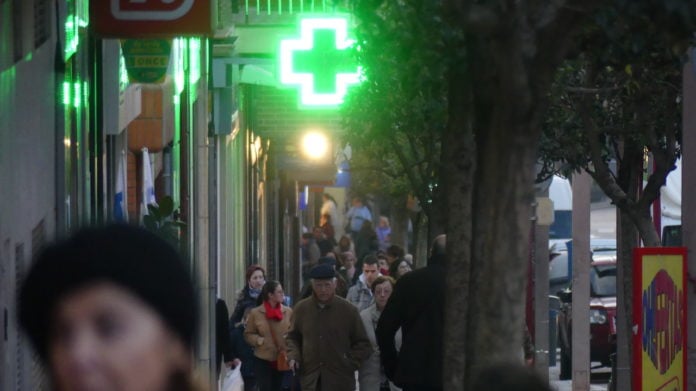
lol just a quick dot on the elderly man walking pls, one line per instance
(327, 341)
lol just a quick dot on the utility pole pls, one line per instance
(581, 282)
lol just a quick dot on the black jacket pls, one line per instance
(223, 344)
(417, 307)
(244, 301)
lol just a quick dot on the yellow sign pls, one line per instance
(660, 314)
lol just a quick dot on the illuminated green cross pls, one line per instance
(319, 62)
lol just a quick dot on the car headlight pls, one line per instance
(598, 316)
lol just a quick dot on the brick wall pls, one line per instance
(277, 113)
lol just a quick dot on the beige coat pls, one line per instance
(370, 374)
(328, 342)
(258, 334)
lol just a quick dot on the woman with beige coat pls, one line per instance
(265, 331)
(371, 374)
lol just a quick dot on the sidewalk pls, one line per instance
(599, 377)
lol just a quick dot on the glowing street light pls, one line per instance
(315, 145)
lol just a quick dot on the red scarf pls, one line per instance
(273, 313)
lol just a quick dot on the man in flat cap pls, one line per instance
(327, 341)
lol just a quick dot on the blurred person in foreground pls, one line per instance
(112, 308)
(417, 308)
(327, 342)
(371, 374)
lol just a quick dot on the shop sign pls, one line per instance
(659, 318)
(319, 62)
(151, 18)
(146, 60)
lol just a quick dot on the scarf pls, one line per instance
(273, 313)
(254, 293)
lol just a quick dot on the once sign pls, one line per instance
(147, 60)
(319, 62)
(151, 18)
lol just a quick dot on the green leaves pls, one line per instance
(162, 221)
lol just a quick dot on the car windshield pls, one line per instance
(603, 281)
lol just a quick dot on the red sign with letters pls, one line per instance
(151, 18)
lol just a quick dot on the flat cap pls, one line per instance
(326, 261)
(323, 271)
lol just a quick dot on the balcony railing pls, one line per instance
(279, 11)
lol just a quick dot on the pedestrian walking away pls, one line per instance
(327, 342)
(417, 308)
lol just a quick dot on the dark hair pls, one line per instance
(344, 238)
(381, 280)
(138, 260)
(329, 197)
(395, 251)
(268, 288)
(369, 259)
(251, 269)
(396, 265)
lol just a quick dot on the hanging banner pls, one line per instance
(659, 319)
(148, 19)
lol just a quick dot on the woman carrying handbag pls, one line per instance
(265, 332)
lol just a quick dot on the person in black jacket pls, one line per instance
(223, 343)
(255, 278)
(417, 308)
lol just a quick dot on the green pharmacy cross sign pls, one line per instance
(320, 62)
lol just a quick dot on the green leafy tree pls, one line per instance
(395, 118)
(619, 102)
(496, 63)
(162, 220)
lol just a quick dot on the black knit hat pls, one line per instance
(133, 258)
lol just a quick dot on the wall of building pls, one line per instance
(27, 194)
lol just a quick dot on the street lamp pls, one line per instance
(315, 145)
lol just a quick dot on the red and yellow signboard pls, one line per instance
(151, 18)
(659, 312)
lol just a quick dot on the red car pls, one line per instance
(602, 315)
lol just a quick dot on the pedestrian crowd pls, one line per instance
(115, 308)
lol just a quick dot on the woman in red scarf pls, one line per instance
(265, 331)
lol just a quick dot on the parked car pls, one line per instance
(602, 308)
(560, 269)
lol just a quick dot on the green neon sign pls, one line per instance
(319, 62)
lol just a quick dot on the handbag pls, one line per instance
(281, 357)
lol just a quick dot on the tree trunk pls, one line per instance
(459, 150)
(628, 239)
(399, 224)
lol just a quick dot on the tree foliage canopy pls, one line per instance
(396, 116)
